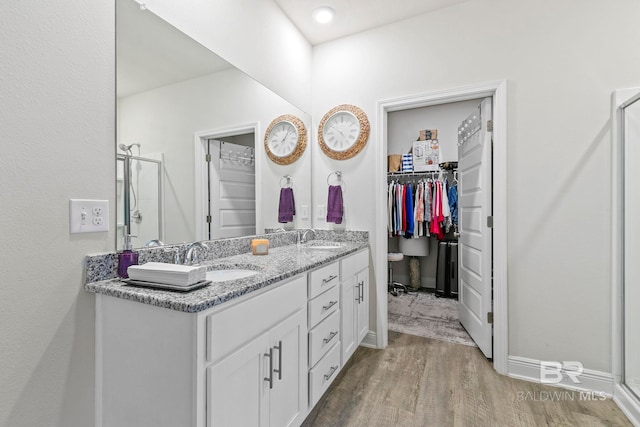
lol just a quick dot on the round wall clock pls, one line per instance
(343, 132)
(285, 139)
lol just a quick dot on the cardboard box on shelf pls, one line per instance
(426, 155)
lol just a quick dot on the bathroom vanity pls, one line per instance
(257, 351)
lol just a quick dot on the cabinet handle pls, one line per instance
(279, 370)
(270, 377)
(361, 285)
(331, 372)
(327, 307)
(331, 336)
(358, 297)
(328, 279)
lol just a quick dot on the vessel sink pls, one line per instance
(324, 245)
(230, 274)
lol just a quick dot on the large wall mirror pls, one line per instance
(179, 105)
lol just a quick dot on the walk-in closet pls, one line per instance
(424, 218)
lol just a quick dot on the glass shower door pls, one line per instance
(139, 199)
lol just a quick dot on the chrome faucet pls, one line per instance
(191, 254)
(154, 242)
(280, 230)
(303, 236)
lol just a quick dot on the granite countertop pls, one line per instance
(281, 263)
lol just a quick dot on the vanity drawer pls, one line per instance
(323, 336)
(323, 374)
(323, 278)
(230, 328)
(323, 305)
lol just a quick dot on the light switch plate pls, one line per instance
(88, 216)
(304, 212)
(320, 213)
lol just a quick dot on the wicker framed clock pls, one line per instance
(343, 132)
(285, 139)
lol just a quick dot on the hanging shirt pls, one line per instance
(408, 232)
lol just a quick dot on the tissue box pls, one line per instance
(426, 155)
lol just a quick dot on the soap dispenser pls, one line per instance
(127, 257)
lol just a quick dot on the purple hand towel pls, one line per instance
(287, 207)
(334, 204)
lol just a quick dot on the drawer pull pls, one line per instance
(279, 370)
(270, 377)
(331, 372)
(327, 307)
(331, 336)
(361, 287)
(328, 279)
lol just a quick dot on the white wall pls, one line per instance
(253, 35)
(57, 103)
(166, 119)
(562, 60)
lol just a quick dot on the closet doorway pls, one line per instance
(483, 271)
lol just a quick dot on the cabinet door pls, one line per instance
(349, 317)
(362, 305)
(237, 393)
(289, 393)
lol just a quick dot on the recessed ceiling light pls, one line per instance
(323, 14)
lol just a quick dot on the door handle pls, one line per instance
(269, 379)
(331, 336)
(279, 370)
(327, 307)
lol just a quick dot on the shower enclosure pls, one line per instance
(626, 251)
(139, 198)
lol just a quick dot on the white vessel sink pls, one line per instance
(230, 274)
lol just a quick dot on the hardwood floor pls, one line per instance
(425, 382)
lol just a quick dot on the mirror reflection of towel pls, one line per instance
(287, 207)
(335, 205)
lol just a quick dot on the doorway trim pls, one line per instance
(497, 90)
(621, 395)
(200, 171)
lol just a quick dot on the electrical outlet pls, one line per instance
(320, 213)
(88, 216)
(304, 212)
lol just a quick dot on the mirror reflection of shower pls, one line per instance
(140, 189)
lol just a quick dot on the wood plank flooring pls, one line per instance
(419, 381)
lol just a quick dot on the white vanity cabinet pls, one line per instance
(354, 275)
(262, 382)
(324, 329)
(242, 363)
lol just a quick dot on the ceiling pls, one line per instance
(152, 53)
(354, 16)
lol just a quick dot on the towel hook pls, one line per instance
(338, 175)
(287, 183)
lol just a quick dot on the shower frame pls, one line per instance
(126, 194)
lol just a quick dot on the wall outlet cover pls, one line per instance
(88, 216)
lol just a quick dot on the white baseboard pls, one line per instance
(590, 380)
(627, 404)
(370, 340)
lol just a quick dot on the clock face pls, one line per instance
(285, 139)
(282, 139)
(341, 131)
